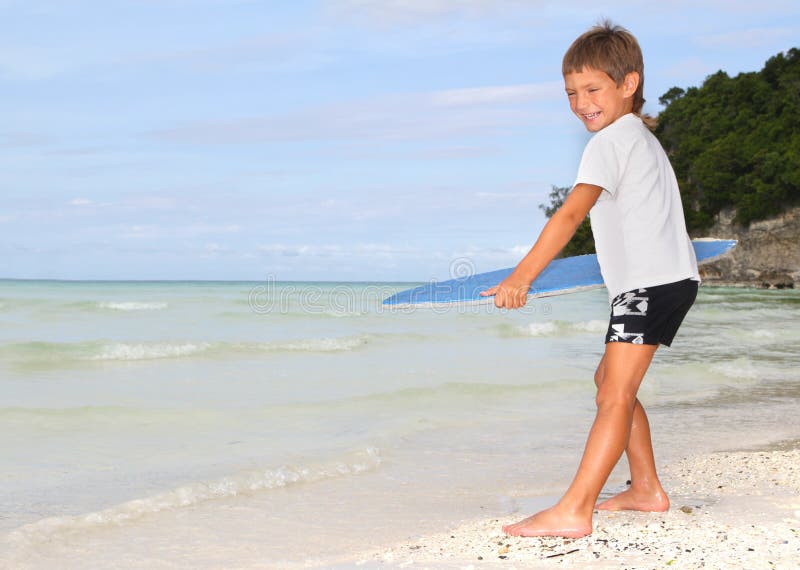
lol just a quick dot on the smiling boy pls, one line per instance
(647, 262)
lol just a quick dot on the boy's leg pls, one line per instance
(624, 368)
(646, 492)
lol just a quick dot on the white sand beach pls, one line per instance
(729, 510)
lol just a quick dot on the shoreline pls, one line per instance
(737, 509)
(709, 282)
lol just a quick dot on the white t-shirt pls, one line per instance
(638, 224)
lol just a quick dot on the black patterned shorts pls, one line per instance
(651, 315)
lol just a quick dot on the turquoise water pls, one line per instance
(287, 422)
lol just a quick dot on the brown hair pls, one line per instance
(614, 50)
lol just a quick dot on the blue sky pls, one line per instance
(299, 140)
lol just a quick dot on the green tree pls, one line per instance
(735, 141)
(583, 240)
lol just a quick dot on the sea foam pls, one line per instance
(55, 353)
(132, 306)
(740, 369)
(243, 483)
(125, 351)
(560, 328)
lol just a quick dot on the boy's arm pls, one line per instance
(512, 292)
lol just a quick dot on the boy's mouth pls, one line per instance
(591, 116)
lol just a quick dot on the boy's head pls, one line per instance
(612, 50)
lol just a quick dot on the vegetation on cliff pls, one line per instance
(735, 142)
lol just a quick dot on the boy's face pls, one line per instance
(596, 99)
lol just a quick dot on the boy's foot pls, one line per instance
(551, 522)
(635, 500)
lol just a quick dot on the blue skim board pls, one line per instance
(565, 275)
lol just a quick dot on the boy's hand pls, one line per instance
(511, 293)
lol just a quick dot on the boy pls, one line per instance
(646, 259)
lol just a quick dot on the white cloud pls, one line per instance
(300, 250)
(741, 7)
(360, 250)
(196, 3)
(413, 116)
(514, 196)
(152, 202)
(394, 12)
(753, 38)
(450, 152)
(497, 95)
(444, 262)
(290, 51)
(140, 232)
(122, 50)
(80, 202)
(383, 249)
(172, 231)
(22, 139)
(29, 63)
(688, 69)
(214, 249)
(194, 230)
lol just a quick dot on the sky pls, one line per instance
(336, 140)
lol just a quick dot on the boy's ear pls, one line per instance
(631, 83)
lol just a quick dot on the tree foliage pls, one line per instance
(583, 240)
(735, 141)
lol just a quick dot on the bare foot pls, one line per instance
(636, 500)
(551, 522)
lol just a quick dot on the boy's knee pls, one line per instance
(608, 398)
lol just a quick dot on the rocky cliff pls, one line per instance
(767, 255)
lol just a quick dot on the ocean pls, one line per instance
(281, 425)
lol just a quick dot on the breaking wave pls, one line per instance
(132, 306)
(243, 483)
(106, 351)
(554, 328)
